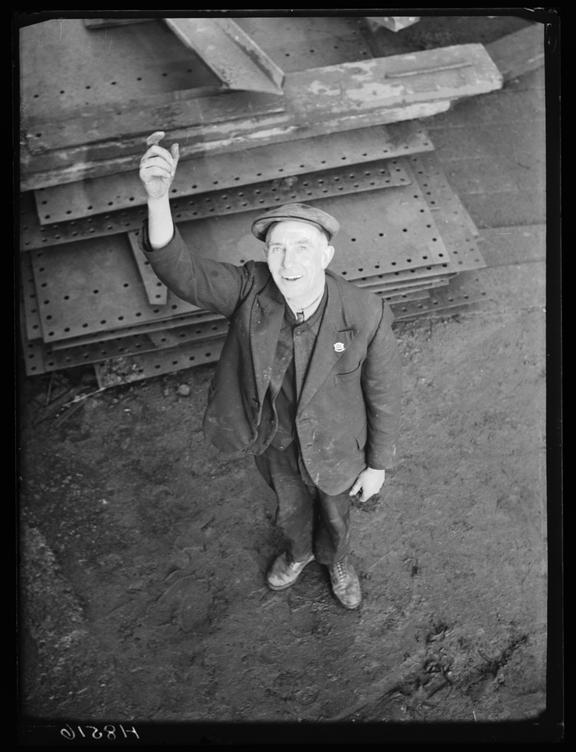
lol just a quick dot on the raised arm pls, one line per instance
(157, 170)
(188, 272)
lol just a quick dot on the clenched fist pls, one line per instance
(158, 166)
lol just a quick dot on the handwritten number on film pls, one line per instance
(107, 732)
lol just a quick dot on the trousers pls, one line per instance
(310, 520)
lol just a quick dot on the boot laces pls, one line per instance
(340, 571)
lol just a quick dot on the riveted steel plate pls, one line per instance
(387, 291)
(135, 368)
(298, 43)
(132, 345)
(367, 177)
(455, 225)
(31, 314)
(207, 325)
(156, 291)
(395, 284)
(95, 288)
(94, 285)
(147, 365)
(194, 318)
(420, 276)
(407, 296)
(32, 350)
(64, 66)
(221, 171)
(33, 357)
(427, 170)
(381, 231)
(440, 303)
(41, 358)
(173, 337)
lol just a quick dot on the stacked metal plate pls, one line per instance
(88, 296)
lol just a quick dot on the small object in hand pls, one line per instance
(184, 390)
(155, 138)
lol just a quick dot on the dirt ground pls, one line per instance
(144, 554)
(143, 550)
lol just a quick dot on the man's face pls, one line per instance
(297, 255)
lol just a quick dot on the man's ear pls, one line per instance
(328, 255)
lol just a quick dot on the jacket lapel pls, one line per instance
(265, 324)
(331, 343)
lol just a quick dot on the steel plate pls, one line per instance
(132, 345)
(94, 285)
(194, 318)
(367, 177)
(299, 43)
(32, 350)
(128, 369)
(427, 170)
(42, 358)
(94, 288)
(224, 171)
(206, 324)
(156, 291)
(31, 314)
(64, 66)
(381, 231)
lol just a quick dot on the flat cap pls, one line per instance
(302, 212)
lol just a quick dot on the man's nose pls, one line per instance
(288, 257)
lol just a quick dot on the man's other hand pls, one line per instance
(368, 483)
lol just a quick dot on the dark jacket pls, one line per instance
(348, 411)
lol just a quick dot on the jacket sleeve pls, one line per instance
(212, 285)
(382, 387)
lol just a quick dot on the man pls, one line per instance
(309, 377)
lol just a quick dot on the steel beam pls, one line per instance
(229, 52)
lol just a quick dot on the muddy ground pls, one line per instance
(144, 551)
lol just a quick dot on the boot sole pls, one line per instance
(349, 608)
(283, 587)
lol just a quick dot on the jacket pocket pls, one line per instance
(343, 375)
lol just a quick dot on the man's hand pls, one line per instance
(158, 166)
(369, 482)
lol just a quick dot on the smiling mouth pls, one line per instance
(292, 279)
